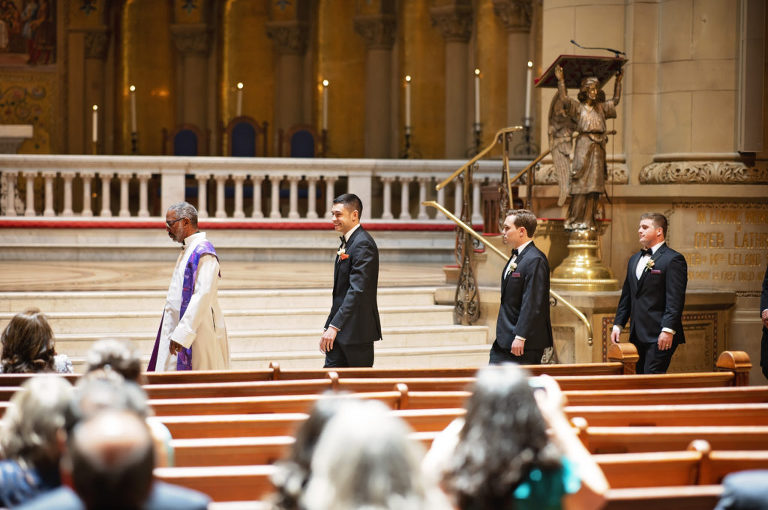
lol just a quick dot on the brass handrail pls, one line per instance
(479, 155)
(469, 230)
(529, 166)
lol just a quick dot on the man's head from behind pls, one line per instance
(346, 212)
(111, 458)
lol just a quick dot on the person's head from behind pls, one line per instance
(28, 344)
(365, 459)
(503, 437)
(101, 390)
(32, 429)
(346, 212)
(118, 355)
(291, 476)
(111, 458)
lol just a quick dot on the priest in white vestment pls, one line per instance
(192, 334)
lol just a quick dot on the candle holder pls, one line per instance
(324, 142)
(134, 142)
(94, 147)
(527, 147)
(406, 154)
(477, 130)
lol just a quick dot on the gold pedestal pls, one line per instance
(582, 269)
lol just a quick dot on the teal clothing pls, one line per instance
(544, 490)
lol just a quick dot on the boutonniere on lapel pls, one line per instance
(512, 266)
(649, 264)
(342, 253)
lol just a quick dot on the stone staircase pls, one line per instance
(282, 325)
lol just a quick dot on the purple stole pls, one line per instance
(184, 358)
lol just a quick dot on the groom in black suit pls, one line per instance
(523, 329)
(653, 296)
(353, 324)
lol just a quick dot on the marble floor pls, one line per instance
(63, 276)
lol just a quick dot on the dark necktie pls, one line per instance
(343, 242)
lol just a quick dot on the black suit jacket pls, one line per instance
(656, 300)
(355, 282)
(524, 309)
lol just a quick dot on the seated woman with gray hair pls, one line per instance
(515, 449)
(31, 438)
(28, 346)
(365, 459)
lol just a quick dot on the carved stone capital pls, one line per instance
(454, 21)
(618, 173)
(191, 38)
(378, 31)
(702, 172)
(515, 14)
(290, 37)
(97, 43)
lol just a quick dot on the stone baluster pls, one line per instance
(257, 212)
(106, 210)
(330, 181)
(441, 201)
(293, 211)
(87, 178)
(125, 180)
(49, 177)
(30, 209)
(10, 197)
(239, 179)
(458, 197)
(423, 182)
(144, 178)
(202, 195)
(477, 217)
(311, 197)
(221, 180)
(275, 196)
(67, 176)
(404, 198)
(387, 210)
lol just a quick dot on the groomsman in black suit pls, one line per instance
(653, 296)
(764, 316)
(353, 324)
(523, 329)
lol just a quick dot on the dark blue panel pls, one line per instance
(185, 143)
(244, 140)
(302, 145)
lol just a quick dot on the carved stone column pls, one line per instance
(378, 31)
(290, 40)
(455, 22)
(516, 16)
(193, 42)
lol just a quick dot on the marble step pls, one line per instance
(297, 318)
(77, 345)
(256, 299)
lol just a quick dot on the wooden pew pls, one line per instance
(716, 464)
(669, 396)
(671, 415)
(222, 483)
(696, 497)
(662, 439)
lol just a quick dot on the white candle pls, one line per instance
(477, 96)
(325, 104)
(239, 109)
(528, 82)
(95, 136)
(408, 102)
(133, 108)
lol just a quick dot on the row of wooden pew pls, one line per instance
(229, 427)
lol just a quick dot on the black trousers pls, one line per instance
(652, 360)
(350, 355)
(500, 355)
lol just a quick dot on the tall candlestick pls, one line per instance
(408, 102)
(325, 104)
(528, 81)
(477, 96)
(133, 108)
(95, 135)
(239, 109)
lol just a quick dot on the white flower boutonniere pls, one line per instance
(649, 264)
(512, 266)
(341, 252)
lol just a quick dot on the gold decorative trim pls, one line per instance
(702, 172)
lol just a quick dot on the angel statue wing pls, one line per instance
(561, 129)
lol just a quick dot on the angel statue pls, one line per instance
(588, 166)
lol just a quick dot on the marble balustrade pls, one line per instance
(274, 188)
